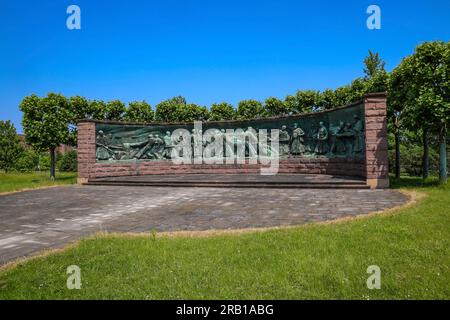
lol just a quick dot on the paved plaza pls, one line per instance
(34, 220)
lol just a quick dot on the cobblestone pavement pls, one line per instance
(34, 220)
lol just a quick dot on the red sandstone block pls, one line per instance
(376, 126)
(375, 113)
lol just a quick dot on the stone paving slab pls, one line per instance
(47, 218)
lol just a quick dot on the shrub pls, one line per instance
(29, 161)
(68, 162)
(44, 162)
(411, 160)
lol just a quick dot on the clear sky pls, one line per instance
(206, 50)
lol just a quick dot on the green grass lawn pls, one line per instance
(19, 181)
(317, 261)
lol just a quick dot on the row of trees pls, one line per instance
(14, 155)
(418, 101)
(51, 120)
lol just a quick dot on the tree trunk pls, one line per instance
(397, 154)
(442, 155)
(52, 163)
(426, 157)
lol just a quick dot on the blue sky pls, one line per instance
(208, 51)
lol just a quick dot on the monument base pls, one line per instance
(378, 183)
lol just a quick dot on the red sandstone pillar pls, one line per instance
(377, 166)
(86, 149)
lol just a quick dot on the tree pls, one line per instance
(115, 110)
(10, 147)
(46, 123)
(80, 109)
(191, 112)
(275, 107)
(97, 110)
(167, 110)
(221, 111)
(249, 109)
(421, 82)
(373, 64)
(343, 95)
(327, 99)
(139, 112)
(303, 101)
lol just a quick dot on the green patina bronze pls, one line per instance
(335, 133)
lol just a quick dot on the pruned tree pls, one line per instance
(302, 102)
(46, 123)
(275, 107)
(115, 110)
(249, 109)
(221, 111)
(97, 110)
(139, 111)
(421, 84)
(191, 112)
(167, 110)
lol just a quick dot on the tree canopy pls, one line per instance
(139, 112)
(10, 147)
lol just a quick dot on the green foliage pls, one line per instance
(412, 160)
(191, 112)
(420, 93)
(378, 82)
(302, 102)
(10, 147)
(373, 65)
(44, 162)
(275, 107)
(46, 121)
(68, 162)
(327, 99)
(97, 109)
(167, 110)
(139, 112)
(343, 95)
(81, 108)
(222, 111)
(115, 110)
(421, 84)
(250, 109)
(28, 161)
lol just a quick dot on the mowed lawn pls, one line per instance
(317, 261)
(14, 181)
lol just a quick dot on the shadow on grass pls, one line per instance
(413, 182)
